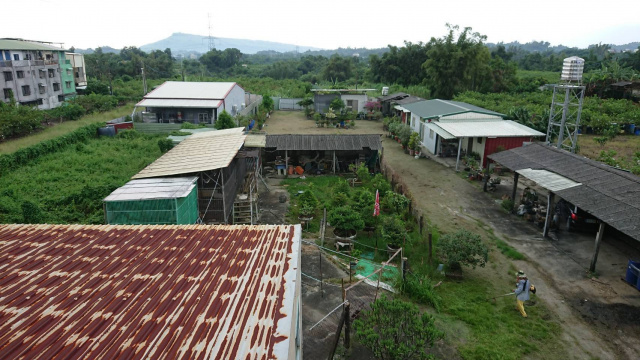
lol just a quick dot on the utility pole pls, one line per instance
(144, 81)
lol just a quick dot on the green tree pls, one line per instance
(337, 104)
(394, 329)
(225, 121)
(462, 248)
(456, 64)
(338, 69)
(267, 102)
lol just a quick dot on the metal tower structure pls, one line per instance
(212, 44)
(566, 106)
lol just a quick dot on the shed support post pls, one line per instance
(549, 214)
(459, 149)
(515, 188)
(592, 268)
(286, 162)
(334, 161)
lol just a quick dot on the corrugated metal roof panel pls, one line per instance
(324, 142)
(255, 140)
(148, 292)
(13, 44)
(495, 128)
(438, 130)
(605, 192)
(191, 90)
(198, 152)
(433, 108)
(154, 188)
(180, 103)
(548, 180)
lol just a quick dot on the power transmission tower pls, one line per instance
(212, 44)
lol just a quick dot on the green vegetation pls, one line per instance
(462, 248)
(225, 121)
(64, 180)
(394, 329)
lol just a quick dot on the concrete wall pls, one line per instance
(68, 83)
(429, 138)
(79, 70)
(361, 99)
(476, 147)
(235, 97)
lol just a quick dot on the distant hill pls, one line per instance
(105, 49)
(542, 46)
(181, 43)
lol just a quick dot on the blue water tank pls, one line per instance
(633, 270)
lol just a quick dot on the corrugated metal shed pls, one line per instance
(198, 152)
(409, 100)
(181, 103)
(495, 128)
(429, 109)
(14, 44)
(324, 142)
(191, 90)
(394, 96)
(609, 194)
(155, 188)
(548, 180)
(148, 292)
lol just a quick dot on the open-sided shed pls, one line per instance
(323, 152)
(609, 194)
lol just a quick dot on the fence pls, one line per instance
(253, 101)
(338, 288)
(290, 104)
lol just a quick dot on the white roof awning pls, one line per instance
(438, 130)
(180, 103)
(548, 180)
(153, 189)
(398, 107)
(491, 128)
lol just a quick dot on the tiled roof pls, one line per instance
(148, 292)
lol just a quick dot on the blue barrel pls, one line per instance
(632, 128)
(632, 273)
(638, 131)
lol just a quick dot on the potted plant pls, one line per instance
(414, 141)
(318, 119)
(346, 222)
(405, 134)
(462, 248)
(393, 233)
(308, 204)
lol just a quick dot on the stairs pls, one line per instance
(242, 212)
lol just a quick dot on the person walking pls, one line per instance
(521, 291)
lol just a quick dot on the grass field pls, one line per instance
(68, 186)
(56, 130)
(625, 146)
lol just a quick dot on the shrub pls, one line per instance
(345, 219)
(507, 205)
(165, 145)
(395, 202)
(393, 231)
(67, 111)
(462, 248)
(267, 103)
(381, 184)
(18, 120)
(225, 121)
(394, 329)
(188, 125)
(31, 213)
(420, 288)
(308, 198)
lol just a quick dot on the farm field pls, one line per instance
(59, 129)
(625, 147)
(68, 186)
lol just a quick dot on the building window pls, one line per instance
(52, 73)
(8, 94)
(68, 71)
(479, 140)
(42, 73)
(20, 74)
(60, 98)
(430, 134)
(41, 88)
(27, 56)
(8, 76)
(203, 117)
(56, 87)
(67, 84)
(26, 90)
(16, 57)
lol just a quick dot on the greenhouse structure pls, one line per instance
(153, 201)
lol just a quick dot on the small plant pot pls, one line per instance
(411, 152)
(347, 236)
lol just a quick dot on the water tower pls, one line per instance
(566, 106)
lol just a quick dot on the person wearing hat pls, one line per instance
(521, 291)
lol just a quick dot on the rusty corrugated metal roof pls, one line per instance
(141, 292)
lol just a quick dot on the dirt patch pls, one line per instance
(604, 326)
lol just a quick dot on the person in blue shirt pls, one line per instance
(522, 291)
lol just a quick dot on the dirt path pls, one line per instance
(599, 318)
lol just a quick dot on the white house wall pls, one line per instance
(361, 99)
(235, 97)
(477, 147)
(429, 139)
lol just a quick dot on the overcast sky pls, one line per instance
(327, 24)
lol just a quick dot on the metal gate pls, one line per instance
(290, 104)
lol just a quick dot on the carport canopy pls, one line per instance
(609, 194)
